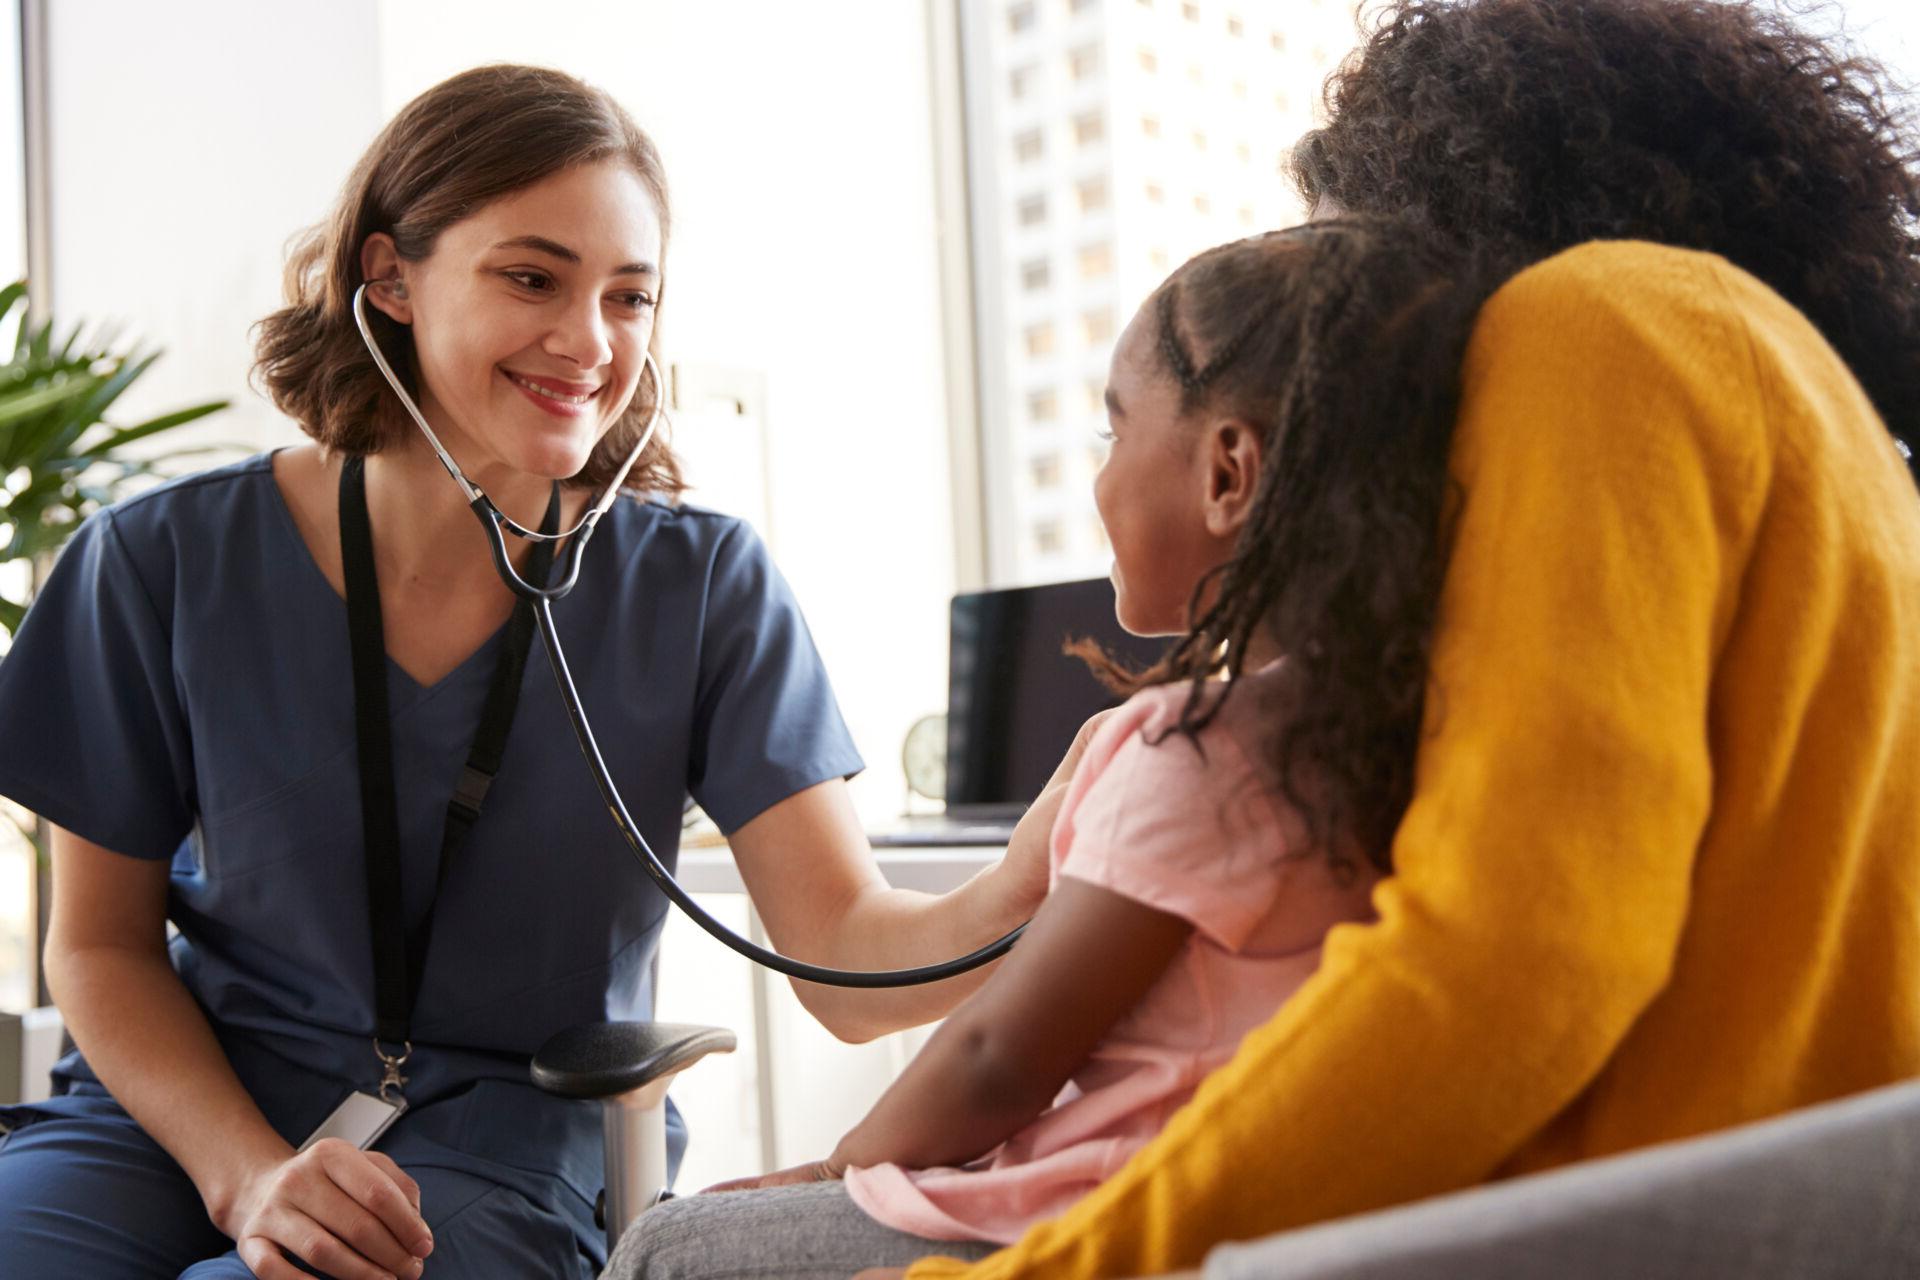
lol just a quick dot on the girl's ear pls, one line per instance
(383, 270)
(1235, 454)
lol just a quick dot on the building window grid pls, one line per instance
(1070, 534)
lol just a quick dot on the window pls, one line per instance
(1195, 76)
(1150, 126)
(1089, 128)
(1031, 211)
(1148, 62)
(1039, 339)
(1199, 140)
(1156, 194)
(1022, 81)
(1043, 405)
(1246, 215)
(1202, 205)
(1240, 90)
(1096, 261)
(1095, 392)
(1046, 471)
(1157, 258)
(1279, 42)
(1235, 27)
(1035, 274)
(1049, 538)
(1084, 62)
(1283, 102)
(1096, 326)
(1092, 194)
(1029, 146)
(1243, 152)
(1020, 17)
(1082, 6)
(1191, 12)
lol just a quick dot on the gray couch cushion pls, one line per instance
(1829, 1193)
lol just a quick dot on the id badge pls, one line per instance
(359, 1120)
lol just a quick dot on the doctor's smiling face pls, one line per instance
(530, 317)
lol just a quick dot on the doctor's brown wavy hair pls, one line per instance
(1341, 343)
(1722, 125)
(467, 141)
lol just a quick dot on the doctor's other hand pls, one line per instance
(817, 1171)
(347, 1213)
(1027, 850)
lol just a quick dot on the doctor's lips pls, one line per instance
(557, 395)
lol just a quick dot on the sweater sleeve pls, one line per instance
(1609, 451)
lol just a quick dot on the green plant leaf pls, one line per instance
(10, 615)
(153, 426)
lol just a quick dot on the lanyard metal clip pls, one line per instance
(391, 1081)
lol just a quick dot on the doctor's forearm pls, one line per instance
(899, 928)
(149, 1043)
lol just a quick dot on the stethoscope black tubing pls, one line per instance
(542, 601)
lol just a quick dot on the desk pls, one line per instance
(930, 870)
(826, 1085)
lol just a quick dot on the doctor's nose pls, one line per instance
(580, 335)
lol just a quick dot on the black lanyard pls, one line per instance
(398, 958)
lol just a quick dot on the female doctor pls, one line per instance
(184, 705)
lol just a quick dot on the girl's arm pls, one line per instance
(1001, 1059)
(1089, 956)
(340, 1209)
(808, 867)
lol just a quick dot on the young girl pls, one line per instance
(1274, 401)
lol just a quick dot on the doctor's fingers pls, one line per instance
(401, 1178)
(1071, 760)
(377, 1185)
(285, 1230)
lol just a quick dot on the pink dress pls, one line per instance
(1207, 840)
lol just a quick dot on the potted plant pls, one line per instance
(60, 458)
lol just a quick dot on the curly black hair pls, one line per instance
(1341, 343)
(1721, 125)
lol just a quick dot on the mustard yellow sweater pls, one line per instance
(1661, 873)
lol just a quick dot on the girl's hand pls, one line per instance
(828, 1170)
(347, 1213)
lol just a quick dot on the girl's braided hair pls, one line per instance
(1341, 343)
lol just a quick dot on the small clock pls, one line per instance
(923, 757)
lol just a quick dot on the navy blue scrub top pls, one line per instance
(182, 689)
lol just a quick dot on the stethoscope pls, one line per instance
(497, 525)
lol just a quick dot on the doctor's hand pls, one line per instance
(819, 1171)
(347, 1213)
(1028, 849)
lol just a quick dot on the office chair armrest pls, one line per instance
(626, 1067)
(604, 1059)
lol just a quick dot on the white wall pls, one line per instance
(188, 143)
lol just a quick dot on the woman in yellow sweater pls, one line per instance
(1661, 869)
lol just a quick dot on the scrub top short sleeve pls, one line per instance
(762, 693)
(95, 738)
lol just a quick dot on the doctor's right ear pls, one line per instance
(380, 267)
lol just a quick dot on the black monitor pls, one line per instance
(1014, 699)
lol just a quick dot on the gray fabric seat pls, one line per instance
(1828, 1193)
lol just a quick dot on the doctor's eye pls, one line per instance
(537, 281)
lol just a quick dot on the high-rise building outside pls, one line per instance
(1109, 141)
